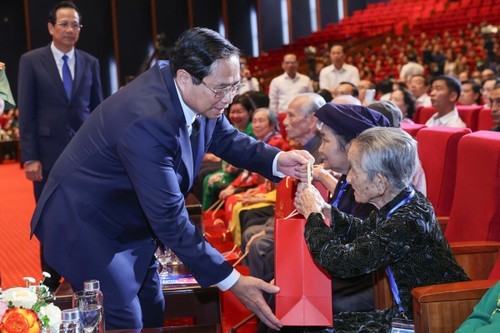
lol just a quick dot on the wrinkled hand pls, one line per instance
(308, 200)
(33, 171)
(249, 291)
(294, 164)
(214, 178)
(228, 191)
(2, 65)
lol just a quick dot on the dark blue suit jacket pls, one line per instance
(47, 118)
(121, 183)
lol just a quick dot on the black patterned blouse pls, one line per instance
(408, 239)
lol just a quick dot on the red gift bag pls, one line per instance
(305, 297)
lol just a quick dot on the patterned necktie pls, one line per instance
(66, 76)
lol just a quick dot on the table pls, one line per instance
(189, 304)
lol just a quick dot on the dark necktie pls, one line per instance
(195, 131)
(66, 76)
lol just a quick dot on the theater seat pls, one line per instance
(442, 308)
(485, 120)
(469, 114)
(437, 150)
(475, 211)
(412, 129)
(424, 114)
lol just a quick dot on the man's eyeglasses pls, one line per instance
(220, 93)
(74, 25)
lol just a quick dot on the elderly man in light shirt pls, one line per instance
(285, 87)
(445, 92)
(331, 76)
(418, 86)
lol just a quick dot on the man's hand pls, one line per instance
(294, 164)
(33, 171)
(249, 291)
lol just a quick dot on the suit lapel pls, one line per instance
(50, 65)
(184, 140)
(79, 69)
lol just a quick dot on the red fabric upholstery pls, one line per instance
(469, 115)
(412, 129)
(424, 114)
(485, 120)
(437, 149)
(475, 212)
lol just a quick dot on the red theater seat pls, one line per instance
(469, 115)
(475, 211)
(485, 120)
(412, 129)
(437, 150)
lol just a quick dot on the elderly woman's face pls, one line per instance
(261, 125)
(239, 116)
(364, 189)
(333, 157)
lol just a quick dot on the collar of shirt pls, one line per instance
(342, 69)
(58, 54)
(447, 117)
(189, 114)
(290, 78)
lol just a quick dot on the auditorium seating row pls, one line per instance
(476, 117)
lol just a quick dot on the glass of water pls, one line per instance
(90, 309)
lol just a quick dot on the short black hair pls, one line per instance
(355, 91)
(62, 4)
(197, 49)
(476, 88)
(452, 83)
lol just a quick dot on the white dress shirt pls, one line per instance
(283, 89)
(451, 119)
(330, 77)
(59, 62)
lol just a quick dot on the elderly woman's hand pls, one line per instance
(308, 200)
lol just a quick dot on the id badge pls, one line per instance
(400, 325)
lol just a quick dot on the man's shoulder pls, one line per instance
(36, 52)
(85, 55)
(349, 67)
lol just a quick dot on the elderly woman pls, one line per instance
(402, 236)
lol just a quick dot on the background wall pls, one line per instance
(122, 34)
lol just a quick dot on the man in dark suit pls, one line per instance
(49, 116)
(117, 192)
(50, 111)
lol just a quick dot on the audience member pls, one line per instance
(331, 76)
(346, 88)
(463, 76)
(488, 86)
(476, 76)
(365, 86)
(418, 86)
(250, 83)
(286, 86)
(59, 86)
(300, 125)
(471, 93)
(487, 74)
(405, 102)
(411, 68)
(403, 235)
(495, 107)
(391, 111)
(445, 91)
(485, 318)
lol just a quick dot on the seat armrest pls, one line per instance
(443, 308)
(476, 258)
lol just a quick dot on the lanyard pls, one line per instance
(339, 195)
(392, 282)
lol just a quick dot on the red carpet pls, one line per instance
(19, 256)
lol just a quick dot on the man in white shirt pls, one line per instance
(418, 86)
(331, 76)
(285, 87)
(445, 92)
